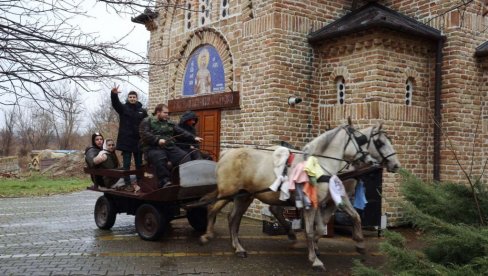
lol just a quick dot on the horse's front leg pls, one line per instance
(322, 219)
(357, 231)
(212, 212)
(241, 203)
(309, 219)
(277, 211)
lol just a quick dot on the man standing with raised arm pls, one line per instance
(131, 115)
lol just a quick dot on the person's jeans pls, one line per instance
(159, 157)
(126, 158)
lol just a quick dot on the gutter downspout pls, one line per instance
(437, 109)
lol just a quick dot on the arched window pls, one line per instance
(188, 14)
(224, 8)
(408, 91)
(204, 11)
(341, 90)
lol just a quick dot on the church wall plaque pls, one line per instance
(210, 101)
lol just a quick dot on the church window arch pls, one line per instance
(188, 15)
(341, 89)
(204, 12)
(409, 88)
(224, 8)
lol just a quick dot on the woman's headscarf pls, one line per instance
(105, 142)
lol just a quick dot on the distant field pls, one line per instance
(41, 186)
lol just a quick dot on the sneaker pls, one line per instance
(128, 188)
(164, 183)
(136, 188)
(168, 183)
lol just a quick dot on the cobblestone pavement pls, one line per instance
(57, 235)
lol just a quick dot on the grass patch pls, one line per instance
(37, 185)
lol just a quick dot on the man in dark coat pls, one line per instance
(158, 139)
(131, 115)
(187, 122)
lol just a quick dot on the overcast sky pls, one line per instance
(110, 26)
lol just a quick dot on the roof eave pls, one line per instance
(429, 36)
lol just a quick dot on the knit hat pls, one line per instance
(188, 115)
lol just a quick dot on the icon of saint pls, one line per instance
(203, 81)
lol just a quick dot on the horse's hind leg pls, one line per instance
(277, 211)
(213, 210)
(357, 231)
(241, 203)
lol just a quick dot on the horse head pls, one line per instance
(337, 148)
(380, 147)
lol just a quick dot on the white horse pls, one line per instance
(244, 174)
(379, 146)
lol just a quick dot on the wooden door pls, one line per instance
(208, 128)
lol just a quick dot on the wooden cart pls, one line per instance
(155, 207)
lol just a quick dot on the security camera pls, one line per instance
(294, 100)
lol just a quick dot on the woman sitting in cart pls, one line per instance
(91, 154)
(104, 158)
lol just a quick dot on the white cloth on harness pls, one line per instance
(280, 156)
(336, 189)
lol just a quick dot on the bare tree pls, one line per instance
(35, 129)
(42, 45)
(7, 133)
(65, 119)
(104, 119)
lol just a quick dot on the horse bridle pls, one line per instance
(379, 144)
(360, 140)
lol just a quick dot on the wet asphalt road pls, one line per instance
(57, 235)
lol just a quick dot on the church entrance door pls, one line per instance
(208, 128)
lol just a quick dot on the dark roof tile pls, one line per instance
(374, 15)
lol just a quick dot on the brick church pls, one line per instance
(417, 66)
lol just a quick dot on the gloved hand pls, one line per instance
(102, 156)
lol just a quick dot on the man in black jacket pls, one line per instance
(131, 115)
(187, 122)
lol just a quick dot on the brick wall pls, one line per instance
(267, 58)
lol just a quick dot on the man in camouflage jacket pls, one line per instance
(158, 143)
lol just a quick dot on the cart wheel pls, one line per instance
(149, 222)
(197, 217)
(104, 213)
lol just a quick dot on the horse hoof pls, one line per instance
(320, 268)
(361, 250)
(203, 240)
(241, 254)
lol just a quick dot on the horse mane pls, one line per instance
(319, 144)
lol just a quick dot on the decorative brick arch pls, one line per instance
(196, 39)
(340, 71)
(411, 74)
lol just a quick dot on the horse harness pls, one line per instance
(360, 140)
